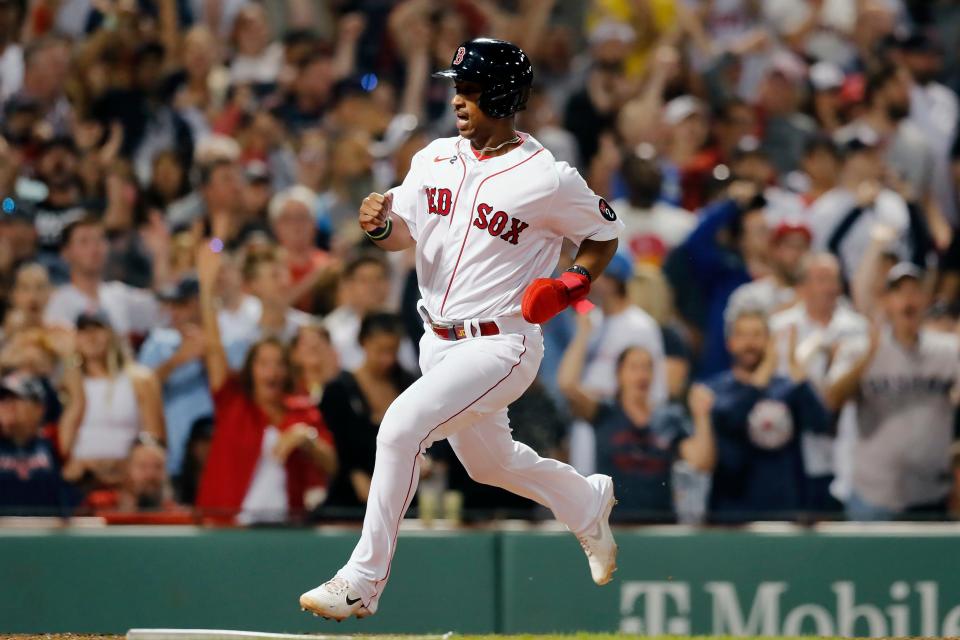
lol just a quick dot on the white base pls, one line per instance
(220, 634)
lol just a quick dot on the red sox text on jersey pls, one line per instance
(439, 201)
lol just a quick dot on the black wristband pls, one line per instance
(582, 271)
(381, 233)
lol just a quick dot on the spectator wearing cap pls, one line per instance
(689, 162)
(814, 329)
(132, 312)
(637, 441)
(294, 226)
(826, 99)
(902, 381)
(30, 481)
(842, 218)
(653, 227)
(175, 354)
(111, 400)
(271, 454)
(758, 418)
(726, 249)
(619, 325)
(364, 288)
(789, 243)
(934, 107)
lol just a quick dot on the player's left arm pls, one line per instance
(595, 255)
(586, 219)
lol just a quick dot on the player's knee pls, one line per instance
(402, 426)
(482, 472)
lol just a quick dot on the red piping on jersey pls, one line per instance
(470, 224)
(413, 471)
(463, 177)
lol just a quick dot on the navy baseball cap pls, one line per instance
(24, 387)
(89, 319)
(186, 288)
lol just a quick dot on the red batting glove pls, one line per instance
(546, 297)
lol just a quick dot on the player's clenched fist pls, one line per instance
(374, 211)
(546, 297)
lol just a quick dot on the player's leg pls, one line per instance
(491, 456)
(460, 378)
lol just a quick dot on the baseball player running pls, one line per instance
(487, 211)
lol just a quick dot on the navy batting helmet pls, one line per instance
(501, 68)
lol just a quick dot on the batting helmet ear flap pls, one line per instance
(503, 103)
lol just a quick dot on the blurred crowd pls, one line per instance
(195, 329)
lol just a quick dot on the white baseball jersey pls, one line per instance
(487, 227)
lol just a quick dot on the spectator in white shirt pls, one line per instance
(257, 59)
(815, 328)
(132, 311)
(841, 220)
(652, 227)
(364, 288)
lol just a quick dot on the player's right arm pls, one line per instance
(387, 229)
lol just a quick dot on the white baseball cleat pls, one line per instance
(334, 600)
(597, 541)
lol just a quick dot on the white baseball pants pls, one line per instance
(463, 396)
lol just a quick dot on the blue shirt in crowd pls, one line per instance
(186, 392)
(30, 480)
(717, 272)
(760, 467)
(639, 458)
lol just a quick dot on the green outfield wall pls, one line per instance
(882, 583)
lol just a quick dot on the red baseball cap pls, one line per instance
(790, 226)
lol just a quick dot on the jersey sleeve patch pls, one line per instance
(607, 211)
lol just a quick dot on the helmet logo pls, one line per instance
(457, 59)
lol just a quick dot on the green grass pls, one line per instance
(574, 636)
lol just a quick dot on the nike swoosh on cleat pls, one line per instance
(352, 602)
